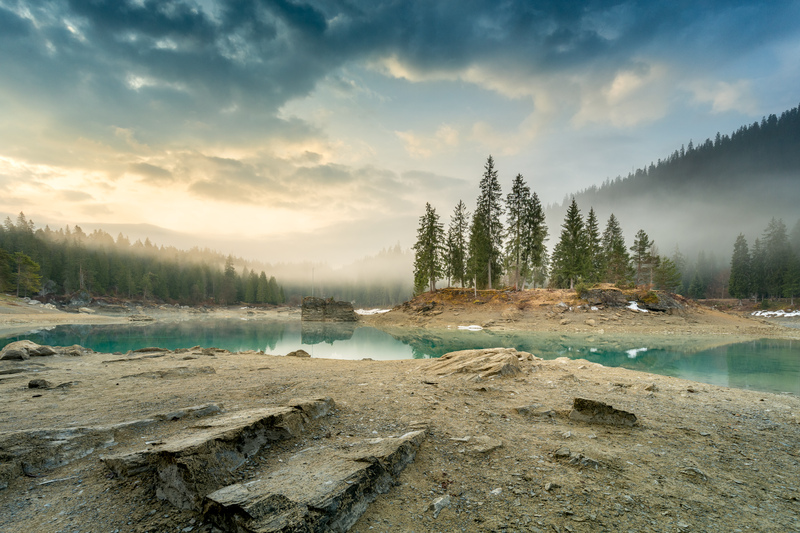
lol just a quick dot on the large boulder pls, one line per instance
(21, 350)
(327, 310)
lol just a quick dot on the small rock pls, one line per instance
(564, 322)
(483, 444)
(694, 474)
(651, 387)
(550, 486)
(298, 353)
(595, 412)
(496, 492)
(561, 453)
(591, 322)
(438, 504)
(39, 384)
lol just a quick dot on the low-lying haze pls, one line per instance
(291, 130)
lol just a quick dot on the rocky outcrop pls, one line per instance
(320, 489)
(658, 301)
(21, 350)
(327, 310)
(501, 362)
(190, 466)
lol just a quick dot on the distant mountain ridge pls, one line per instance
(702, 196)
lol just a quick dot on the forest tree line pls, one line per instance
(484, 252)
(64, 262)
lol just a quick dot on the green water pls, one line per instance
(766, 365)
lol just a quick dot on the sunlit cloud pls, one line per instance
(723, 96)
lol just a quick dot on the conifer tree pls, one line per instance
(642, 259)
(777, 256)
(429, 251)
(534, 250)
(757, 277)
(569, 255)
(594, 249)
(517, 203)
(486, 233)
(667, 276)
(457, 244)
(615, 253)
(739, 284)
(27, 273)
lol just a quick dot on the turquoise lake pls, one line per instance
(771, 365)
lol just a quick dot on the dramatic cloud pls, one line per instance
(317, 114)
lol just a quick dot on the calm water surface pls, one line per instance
(767, 365)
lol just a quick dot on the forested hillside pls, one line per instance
(704, 194)
(68, 263)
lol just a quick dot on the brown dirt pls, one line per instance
(701, 458)
(561, 311)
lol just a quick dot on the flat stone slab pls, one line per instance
(595, 412)
(321, 489)
(188, 467)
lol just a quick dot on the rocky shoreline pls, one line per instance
(479, 440)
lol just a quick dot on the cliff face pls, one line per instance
(327, 310)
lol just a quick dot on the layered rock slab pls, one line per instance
(321, 489)
(483, 363)
(188, 467)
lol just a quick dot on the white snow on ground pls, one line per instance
(636, 351)
(633, 306)
(371, 311)
(470, 328)
(780, 313)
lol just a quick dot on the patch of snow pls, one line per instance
(371, 311)
(636, 351)
(776, 314)
(593, 308)
(593, 350)
(633, 306)
(470, 328)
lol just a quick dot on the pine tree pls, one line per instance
(667, 276)
(429, 248)
(615, 253)
(26, 273)
(534, 251)
(569, 256)
(757, 266)
(642, 259)
(739, 284)
(457, 244)
(517, 203)
(777, 257)
(697, 289)
(488, 211)
(594, 249)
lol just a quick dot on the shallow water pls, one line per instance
(767, 365)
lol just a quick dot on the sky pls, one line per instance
(317, 130)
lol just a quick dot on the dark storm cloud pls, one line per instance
(133, 56)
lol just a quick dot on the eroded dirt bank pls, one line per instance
(501, 452)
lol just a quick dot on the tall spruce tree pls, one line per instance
(777, 257)
(457, 244)
(486, 236)
(569, 255)
(757, 269)
(740, 284)
(517, 203)
(534, 251)
(429, 251)
(615, 253)
(642, 258)
(594, 249)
